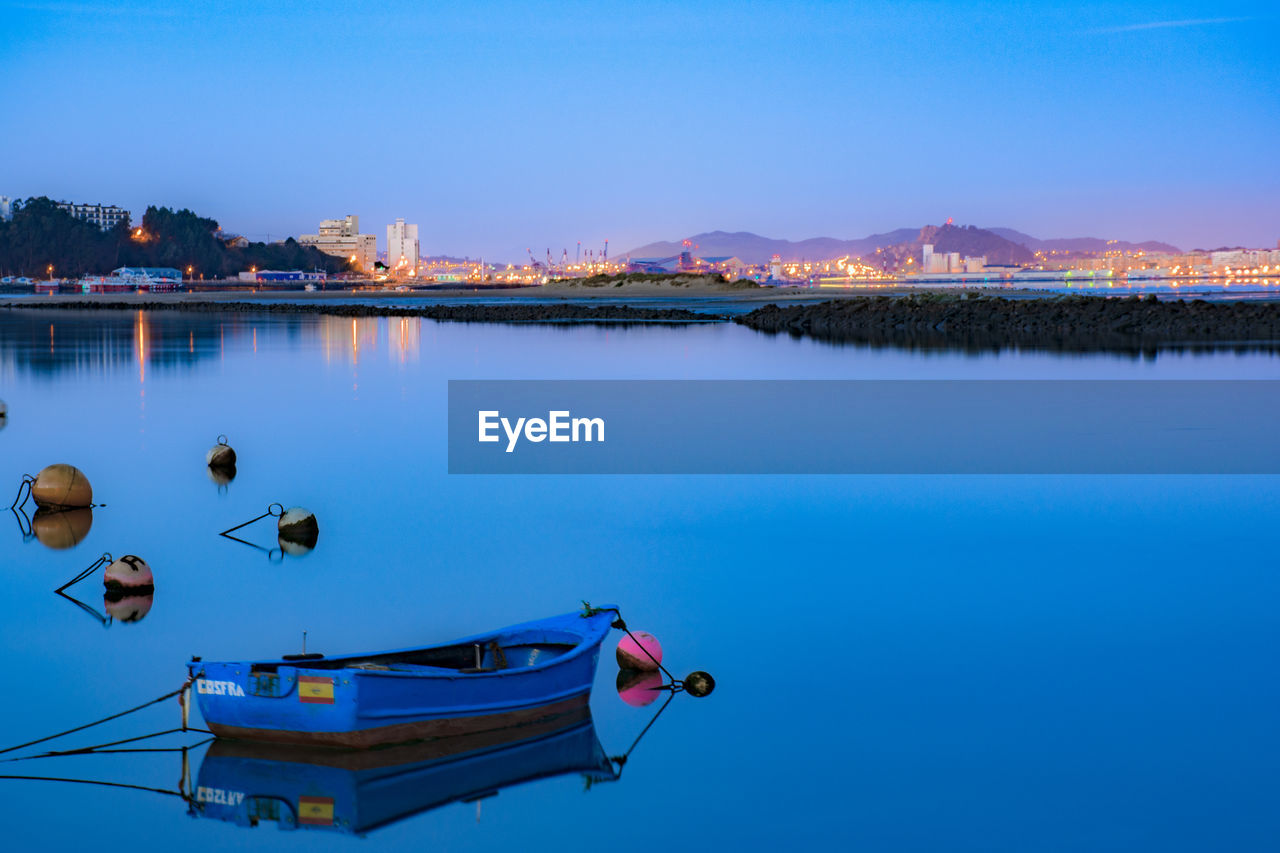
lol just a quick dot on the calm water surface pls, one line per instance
(910, 663)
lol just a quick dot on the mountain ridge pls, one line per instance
(755, 249)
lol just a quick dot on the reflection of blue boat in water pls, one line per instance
(515, 676)
(357, 791)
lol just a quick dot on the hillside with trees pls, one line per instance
(41, 235)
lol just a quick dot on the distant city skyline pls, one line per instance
(541, 125)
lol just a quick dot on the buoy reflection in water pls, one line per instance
(124, 606)
(638, 688)
(61, 529)
(221, 477)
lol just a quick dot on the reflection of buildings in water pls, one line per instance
(351, 338)
(101, 342)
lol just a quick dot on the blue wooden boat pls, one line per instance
(346, 791)
(514, 676)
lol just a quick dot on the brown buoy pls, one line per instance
(62, 486)
(61, 529)
(221, 455)
(299, 529)
(699, 684)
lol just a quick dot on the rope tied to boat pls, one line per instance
(621, 625)
(621, 760)
(186, 685)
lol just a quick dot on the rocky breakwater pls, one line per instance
(512, 312)
(1077, 323)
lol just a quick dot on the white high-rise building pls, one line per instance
(342, 239)
(402, 247)
(105, 216)
(6, 207)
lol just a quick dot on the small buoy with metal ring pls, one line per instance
(62, 486)
(638, 688)
(639, 650)
(61, 529)
(221, 455)
(298, 526)
(699, 684)
(127, 606)
(129, 574)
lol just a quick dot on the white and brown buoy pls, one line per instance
(131, 575)
(298, 527)
(61, 529)
(4, 414)
(62, 486)
(221, 455)
(127, 606)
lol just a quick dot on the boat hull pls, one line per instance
(329, 703)
(400, 733)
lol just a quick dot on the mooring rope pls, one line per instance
(621, 625)
(621, 760)
(101, 748)
(98, 782)
(24, 523)
(21, 500)
(97, 564)
(99, 722)
(271, 510)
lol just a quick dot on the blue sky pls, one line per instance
(497, 126)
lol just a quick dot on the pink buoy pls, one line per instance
(637, 688)
(129, 573)
(631, 653)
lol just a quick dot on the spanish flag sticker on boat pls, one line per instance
(315, 688)
(315, 811)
